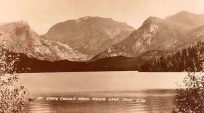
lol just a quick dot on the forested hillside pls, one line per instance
(190, 58)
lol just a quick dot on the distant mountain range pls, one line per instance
(186, 19)
(170, 34)
(101, 44)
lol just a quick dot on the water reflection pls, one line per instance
(38, 107)
(153, 104)
(46, 83)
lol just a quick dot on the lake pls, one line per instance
(154, 103)
(124, 92)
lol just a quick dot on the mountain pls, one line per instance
(33, 65)
(19, 38)
(155, 34)
(89, 35)
(168, 44)
(197, 34)
(186, 19)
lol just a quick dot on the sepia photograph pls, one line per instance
(102, 56)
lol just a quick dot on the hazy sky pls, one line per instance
(42, 14)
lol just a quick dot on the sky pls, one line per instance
(99, 81)
(42, 14)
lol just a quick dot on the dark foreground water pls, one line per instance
(115, 102)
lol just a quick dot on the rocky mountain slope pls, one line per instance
(19, 38)
(170, 34)
(69, 46)
(89, 35)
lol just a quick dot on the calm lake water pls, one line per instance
(136, 92)
(140, 103)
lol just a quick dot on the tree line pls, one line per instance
(188, 59)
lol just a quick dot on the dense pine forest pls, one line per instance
(188, 59)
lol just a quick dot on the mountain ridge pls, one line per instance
(20, 38)
(89, 34)
(154, 34)
(118, 48)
